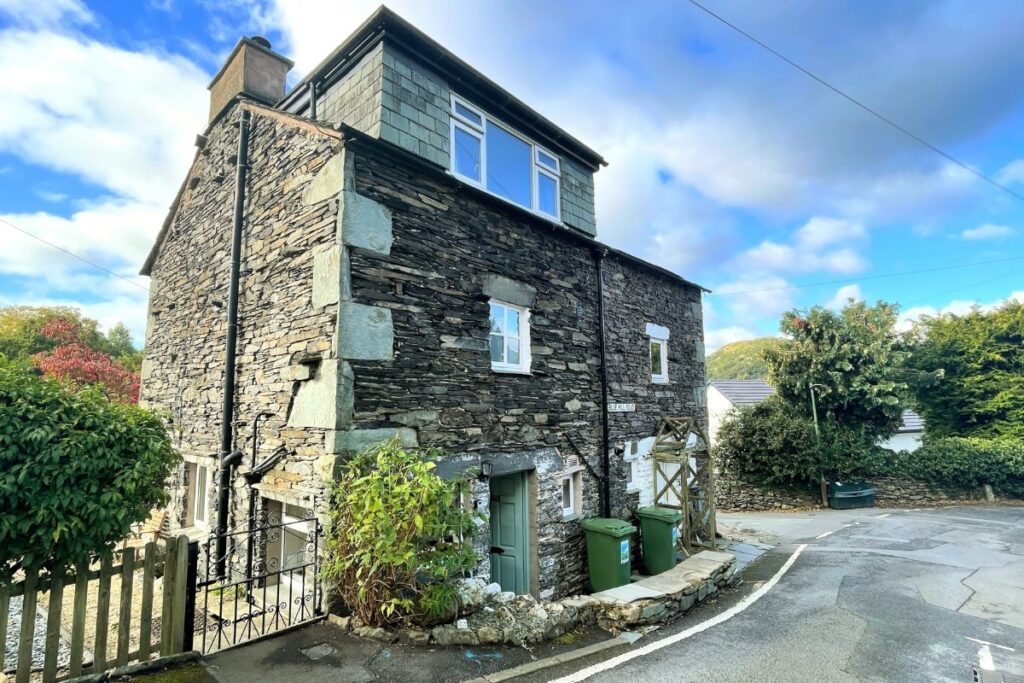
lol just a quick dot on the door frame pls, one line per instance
(528, 520)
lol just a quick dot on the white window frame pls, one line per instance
(200, 504)
(575, 480)
(657, 334)
(537, 167)
(632, 458)
(525, 357)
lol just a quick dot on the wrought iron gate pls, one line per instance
(271, 581)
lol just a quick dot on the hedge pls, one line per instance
(964, 463)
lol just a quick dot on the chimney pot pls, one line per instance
(252, 69)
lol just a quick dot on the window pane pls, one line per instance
(566, 494)
(513, 350)
(547, 194)
(497, 319)
(656, 358)
(497, 349)
(201, 478)
(513, 322)
(468, 114)
(467, 154)
(509, 166)
(545, 159)
(293, 547)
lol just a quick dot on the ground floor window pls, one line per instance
(200, 483)
(572, 494)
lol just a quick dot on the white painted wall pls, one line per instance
(718, 408)
(909, 441)
(643, 469)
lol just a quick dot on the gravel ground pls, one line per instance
(38, 640)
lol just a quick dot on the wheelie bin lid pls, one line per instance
(662, 514)
(609, 527)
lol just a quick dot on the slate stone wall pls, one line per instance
(448, 242)
(415, 106)
(578, 197)
(184, 357)
(356, 98)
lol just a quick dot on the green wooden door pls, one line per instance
(509, 548)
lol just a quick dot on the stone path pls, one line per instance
(38, 640)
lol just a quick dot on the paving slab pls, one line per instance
(629, 593)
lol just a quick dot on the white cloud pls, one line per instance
(908, 317)
(822, 231)
(122, 120)
(988, 231)
(844, 295)
(752, 299)
(1012, 172)
(46, 14)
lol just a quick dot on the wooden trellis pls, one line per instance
(684, 479)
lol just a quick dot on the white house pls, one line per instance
(726, 394)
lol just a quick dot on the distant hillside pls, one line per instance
(741, 360)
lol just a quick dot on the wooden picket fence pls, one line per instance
(169, 565)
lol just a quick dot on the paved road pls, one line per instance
(917, 595)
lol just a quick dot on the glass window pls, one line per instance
(201, 493)
(659, 360)
(509, 339)
(567, 496)
(547, 194)
(509, 165)
(571, 494)
(466, 152)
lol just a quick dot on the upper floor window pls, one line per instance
(658, 337)
(490, 155)
(510, 337)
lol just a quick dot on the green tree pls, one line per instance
(854, 358)
(742, 359)
(76, 471)
(969, 372)
(21, 333)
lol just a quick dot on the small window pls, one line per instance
(200, 489)
(572, 497)
(510, 337)
(659, 353)
(467, 154)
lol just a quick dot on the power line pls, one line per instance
(871, 277)
(74, 255)
(881, 117)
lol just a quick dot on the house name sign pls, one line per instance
(621, 407)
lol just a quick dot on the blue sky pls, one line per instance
(726, 165)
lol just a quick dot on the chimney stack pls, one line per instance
(252, 69)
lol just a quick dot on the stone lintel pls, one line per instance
(358, 440)
(508, 290)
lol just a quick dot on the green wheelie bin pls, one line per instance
(659, 534)
(608, 552)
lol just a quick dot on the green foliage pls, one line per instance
(968, 373)
(773, 443)
(395, 542)
(965, 463)
(855, 356)
(76, 471)
(742, 359)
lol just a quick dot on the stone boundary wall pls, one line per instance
(490, 616)
(735, 495)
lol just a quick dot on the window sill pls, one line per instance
(632, 489)
(660, 380)
(511, 371)
(574, 517)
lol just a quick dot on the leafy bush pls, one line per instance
(965, 463)
(76, 471)
(772, 443)
(395, 538)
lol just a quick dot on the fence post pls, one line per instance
(191, 577)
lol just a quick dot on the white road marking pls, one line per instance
(728, 614)
(985, 642)
(827, 533)
(883, 516)
(985, 659)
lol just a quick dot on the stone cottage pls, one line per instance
(417, 259)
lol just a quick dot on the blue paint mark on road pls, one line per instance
(481, 657)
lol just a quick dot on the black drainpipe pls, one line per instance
(227, 457)
(312, 100)
(606, 480)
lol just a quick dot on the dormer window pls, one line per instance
(490, 155)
